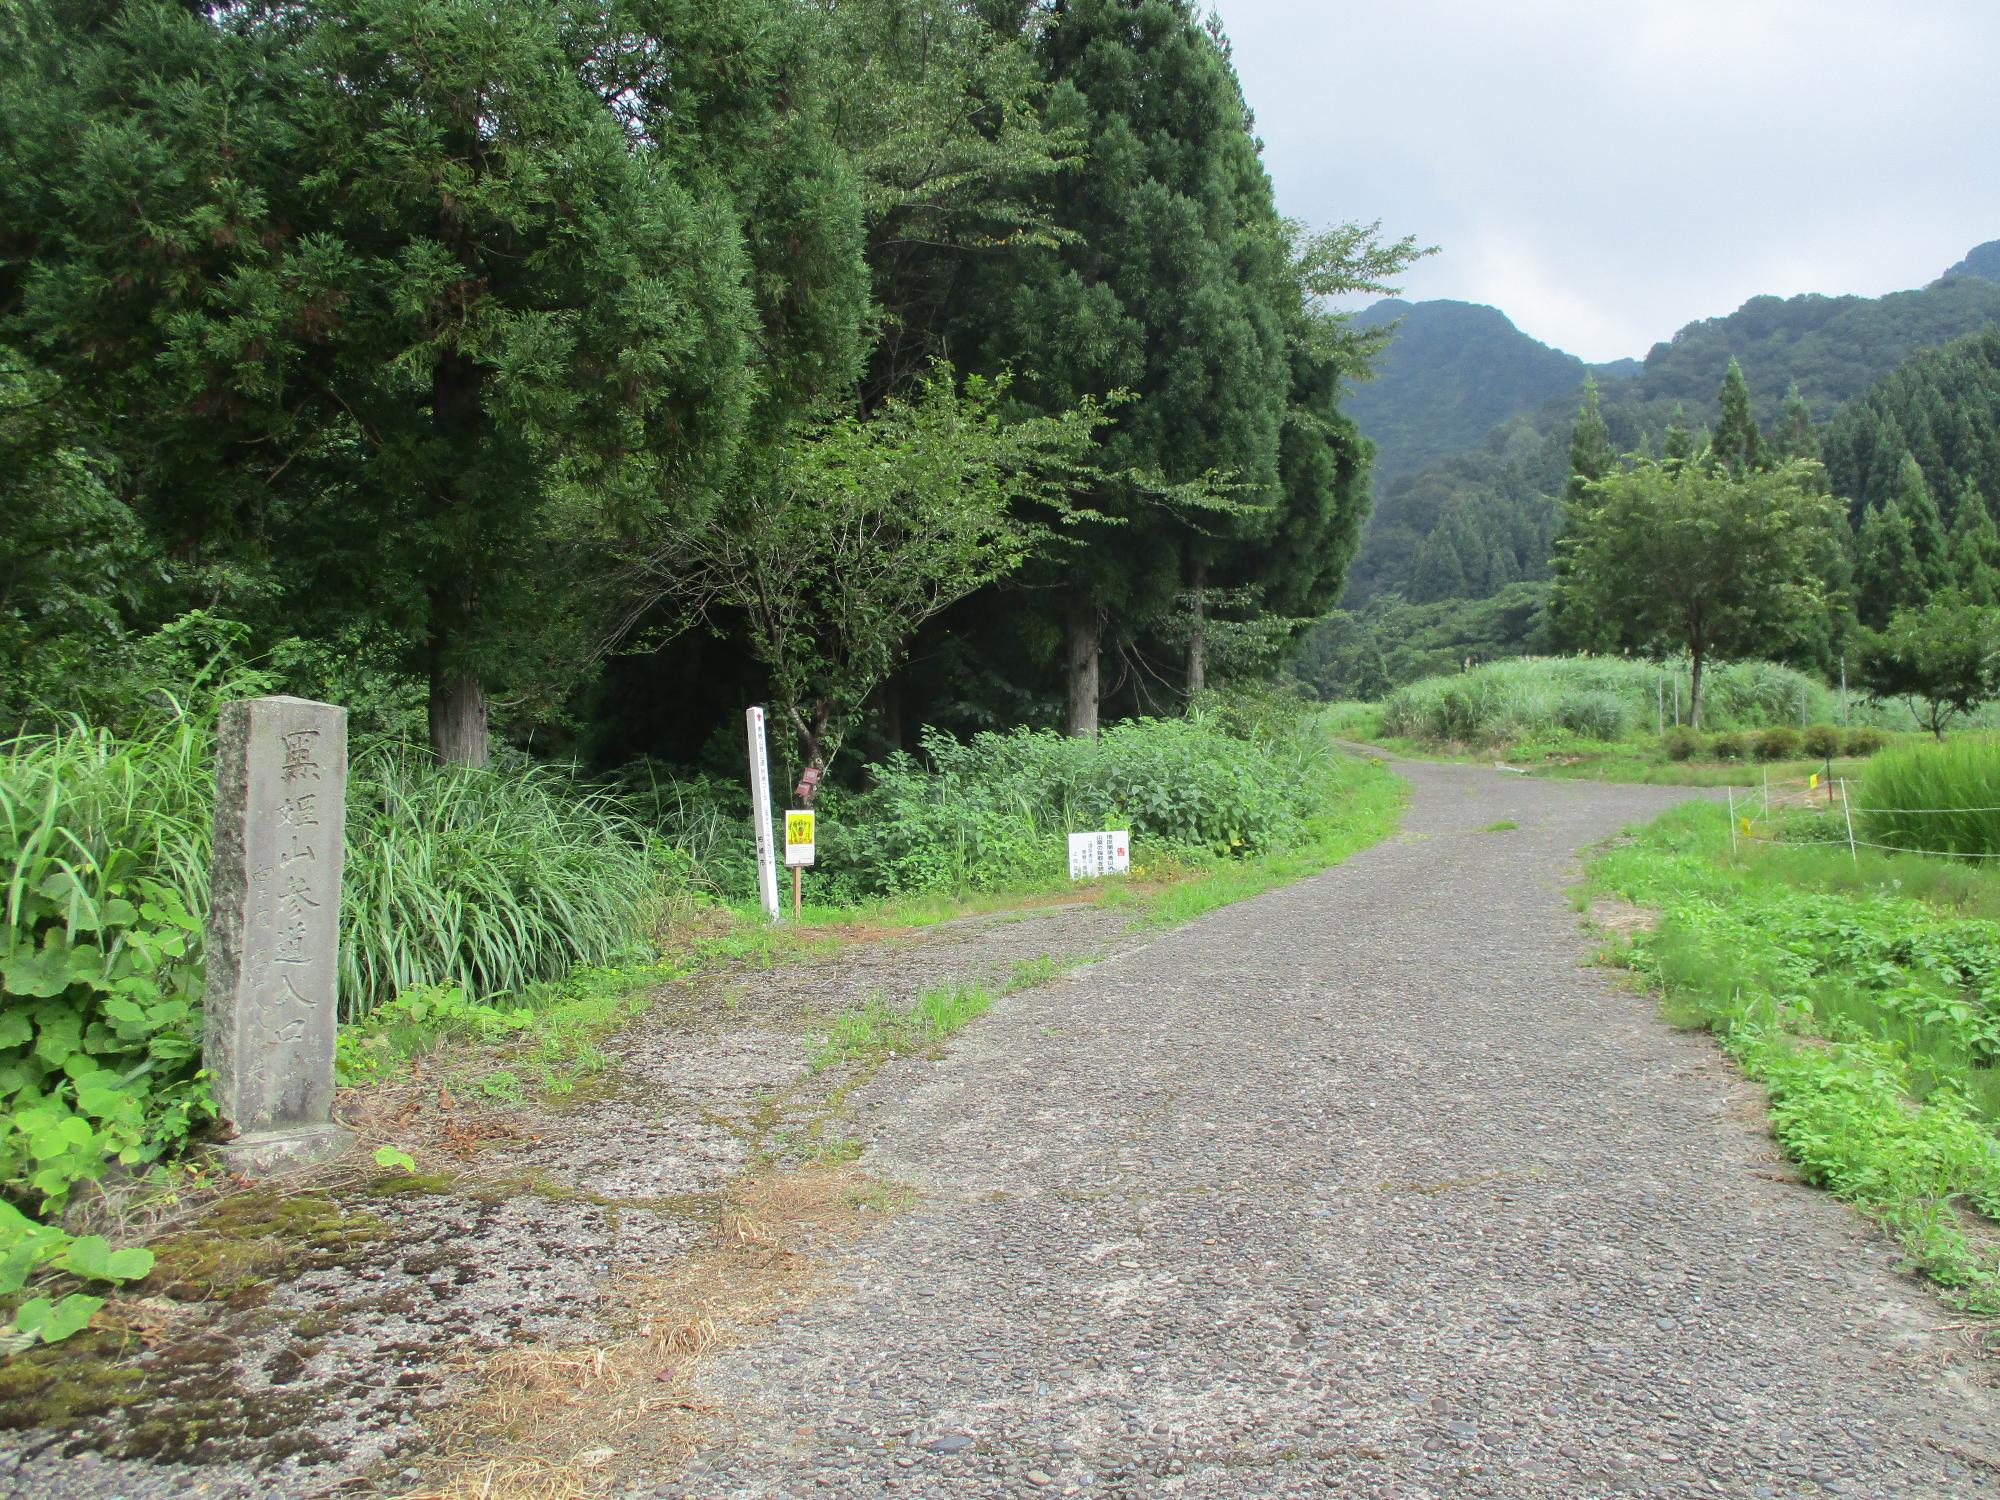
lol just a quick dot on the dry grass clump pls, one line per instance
(570, 1423)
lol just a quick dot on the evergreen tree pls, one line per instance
(1975, 547)
(1887, 574)
(1590, 455)
(1927, 538)
(1737, 444)
(1679, 444)
(412, 347)
(1795, 437)
(1169, 282)
(1440, 570)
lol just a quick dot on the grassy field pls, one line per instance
(1601, 719)
(1862, 991)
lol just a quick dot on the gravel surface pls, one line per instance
(1360, 1187)
(320, 1381)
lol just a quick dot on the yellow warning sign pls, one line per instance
(798, 838)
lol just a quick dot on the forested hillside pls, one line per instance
(1450, 372)
(1473, 522)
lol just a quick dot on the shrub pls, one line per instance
(1596, 714)
(1937, 798)
(996, 809)
(1680, 743)
(1779, 742)
(1822, 740)
(1863, 740)
(1726, 747)
(1513, 699)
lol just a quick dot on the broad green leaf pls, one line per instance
(129, 1264)
(88, 1256)
(40, 972)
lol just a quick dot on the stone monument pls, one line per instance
(274, 930)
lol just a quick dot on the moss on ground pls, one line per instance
(251, 1239)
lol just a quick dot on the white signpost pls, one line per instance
(1095, 854)
(760, 813)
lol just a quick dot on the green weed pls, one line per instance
(1866, 999)
(877, 1030)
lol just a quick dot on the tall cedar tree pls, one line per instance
(1737, 444)
(1927, 539)
(1888, 575)
(1284, 565)
(1796, 437)
(1169, 284)
(418, 306)
(1975, 547)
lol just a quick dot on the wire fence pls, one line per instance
(1756, 805)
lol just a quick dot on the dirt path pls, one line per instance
(1361, 1187)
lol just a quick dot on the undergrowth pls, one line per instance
(1865, 997)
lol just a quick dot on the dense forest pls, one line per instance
(1459, 556)
(1450, 374)
(1488, 503)
(591, 372)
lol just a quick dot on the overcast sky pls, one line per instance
(1605, 171)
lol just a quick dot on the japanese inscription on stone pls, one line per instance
(273, 935)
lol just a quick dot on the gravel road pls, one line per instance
(1361, 1187)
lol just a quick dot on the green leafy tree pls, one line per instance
(1941, 658)
(860, 531)
(1697, 560)
(1737, 444)
(418, 309)
(939, 106)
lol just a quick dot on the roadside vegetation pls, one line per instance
(1860, 987)
(517, 915)
(1612, 719)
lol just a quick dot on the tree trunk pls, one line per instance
(1694, 690)
(1197, 650)
(889, 703)
(1086, 633)
(458, 718)
(457, 696)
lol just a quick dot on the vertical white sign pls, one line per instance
(760, 813)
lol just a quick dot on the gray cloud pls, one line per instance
(1606, 172)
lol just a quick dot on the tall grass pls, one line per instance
(1937, 798)
(485, 880)
(1594, 697)
(85, 804)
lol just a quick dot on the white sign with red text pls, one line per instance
(1095, 854)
